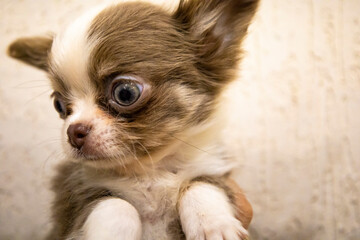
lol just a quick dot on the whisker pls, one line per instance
(122, 161)
(23, 84)
(55, 155)
(191, 145)
(39, 95)
(136, 158)
(50, 140)
(31, 87)
(133, 152)
(147, 152)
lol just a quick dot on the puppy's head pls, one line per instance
(130, 78)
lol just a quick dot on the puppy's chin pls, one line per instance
(95, 156)
(98, 160)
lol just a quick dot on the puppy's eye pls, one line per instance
(59, 105)
(126, 93)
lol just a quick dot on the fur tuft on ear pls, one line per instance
(217, 27)
(33, 51)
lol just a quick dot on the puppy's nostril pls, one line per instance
(80, 135)
(77, 134)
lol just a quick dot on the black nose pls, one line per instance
(77, 134)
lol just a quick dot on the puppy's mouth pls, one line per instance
(85, 145)
(87, 153)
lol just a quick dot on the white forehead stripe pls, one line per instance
(71, 51)
(84, 110)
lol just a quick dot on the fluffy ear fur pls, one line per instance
(217, 27)
(33, 51)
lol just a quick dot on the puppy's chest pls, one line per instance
(155, 199)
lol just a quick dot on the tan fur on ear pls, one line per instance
(33, 51)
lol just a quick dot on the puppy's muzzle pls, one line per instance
(77, 134)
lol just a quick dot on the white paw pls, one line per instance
(206, 214)
(112, 219)
(222, 228)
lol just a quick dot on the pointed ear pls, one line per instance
(217, 27)
(33, 51)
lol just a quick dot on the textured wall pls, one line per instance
(294, 120)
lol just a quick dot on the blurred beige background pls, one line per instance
(294, 119)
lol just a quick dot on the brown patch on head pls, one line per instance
(137, 38)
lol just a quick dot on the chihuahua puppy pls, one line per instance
(139, 91)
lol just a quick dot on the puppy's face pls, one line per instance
(131, 79)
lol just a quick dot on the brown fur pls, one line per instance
(73, 201)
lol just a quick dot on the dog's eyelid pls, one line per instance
(57, 94)
(113, 78)
(126, 77)
(109, 80)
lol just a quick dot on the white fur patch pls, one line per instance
(205, 213)
(112, 219)
(84, 109)
(70, 53)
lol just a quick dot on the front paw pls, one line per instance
(206, 214)
(112, 219)
(220, 228)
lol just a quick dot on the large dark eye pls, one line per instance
(59, 105)
(126, 93)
